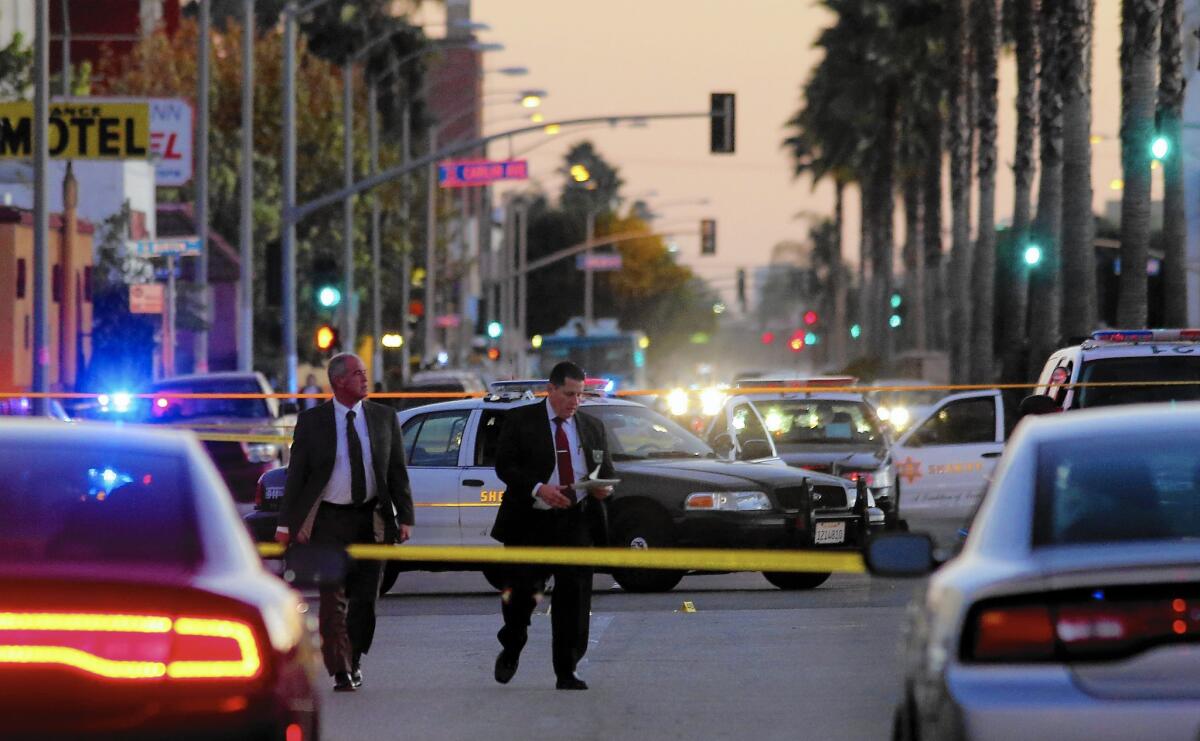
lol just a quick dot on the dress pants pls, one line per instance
(347, 614)
(571, 601)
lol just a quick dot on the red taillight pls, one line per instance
(1095, 629)
(131, 646)
(1013, 634)
(868, 476)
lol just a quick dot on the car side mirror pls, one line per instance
(900, 554)
(755, 449)
(310, 566)
(288, 407)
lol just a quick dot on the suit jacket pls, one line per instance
(314, 449)
(525, 458)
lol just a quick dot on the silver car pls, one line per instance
(1073, 610)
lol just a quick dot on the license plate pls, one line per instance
(828, 533)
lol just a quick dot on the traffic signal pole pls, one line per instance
(245, 345)
(349, 313)
(41, 206)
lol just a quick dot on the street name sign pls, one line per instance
(467, 173)
(79, 130)
(178, 246)
(598, 262)
(146, 298)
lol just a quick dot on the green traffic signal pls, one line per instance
(1160, 147)
(855, 331)
(896, 300)
(329, 296)
(1033, 255)
(894, 321)
(494, 330)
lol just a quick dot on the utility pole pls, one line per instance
(41, 221)
(200, 353)
(288, 238)
(430, 256)
(406, 259)
(521, 336)
(376, 267)
(349, 318)
(589, 297)
(246, 225)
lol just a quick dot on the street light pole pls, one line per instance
(246, 230)
(41, 206)
(430, 253)
(200, 352)
(376, 307)
(349, 323)
(288, 240)
(406, 258)
(522, 333)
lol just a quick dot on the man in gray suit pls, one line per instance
(347, 483)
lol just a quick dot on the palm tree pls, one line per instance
(961, 156)
(1139, 52)
(1078, 226)
(935, 274)
(1045, 281)
(986, 22)
(1170, 114)
(1013, 269)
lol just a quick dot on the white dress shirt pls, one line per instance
(578, 464)
(337, 490)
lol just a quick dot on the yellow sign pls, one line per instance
(79, 130)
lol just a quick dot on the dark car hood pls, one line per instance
(715, 472)
(823, 459)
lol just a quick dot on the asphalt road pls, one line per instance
(751, 662)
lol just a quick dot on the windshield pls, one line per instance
(635, 432)
(1118, 488)
(107, 504)
(167, 409)
(1144, 368)
(820, 422)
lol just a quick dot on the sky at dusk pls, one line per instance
(666, 56)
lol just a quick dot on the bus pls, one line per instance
(618, 355)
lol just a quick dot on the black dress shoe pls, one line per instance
(356, 677)
(570, 682)
(506, 666)
(343, 682)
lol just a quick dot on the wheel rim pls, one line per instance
(638, 543)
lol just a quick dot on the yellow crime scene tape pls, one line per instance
(683, 559)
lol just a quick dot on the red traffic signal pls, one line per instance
(326, 337)
(767, 338)
(493, 353)
(810, 317)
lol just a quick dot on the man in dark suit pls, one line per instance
(543, 449)
(347, 483)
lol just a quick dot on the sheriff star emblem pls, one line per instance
(909, 469)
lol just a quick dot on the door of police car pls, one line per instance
(434, 442)
(944, 461)
(480, 489)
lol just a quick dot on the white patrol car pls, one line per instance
(1125, 356)
(674, 490)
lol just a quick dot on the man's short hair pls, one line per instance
(337, 364)
(564, 370)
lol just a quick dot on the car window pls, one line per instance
(1117, 488)
(487, 438)
(746, 424)
(166, 408)
(439, 438)
(1174, 367)
(817, 421)
(959, 422)
(107, 504)
(408, 431)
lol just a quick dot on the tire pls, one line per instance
(796, 580)
(391, 571)
(641, 528)
(495, 577)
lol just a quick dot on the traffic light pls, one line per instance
(495, 329)
(855, 331)
(1160, 147)
(767, 337)
(327, 337)
(493, 353)
(810, 317)
(721, 115)
(325, 282)
(897, 317)
(1033, 254)
(708, 236)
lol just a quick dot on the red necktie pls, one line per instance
(562, 449)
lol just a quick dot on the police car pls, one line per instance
(674, 491)
(810, 424)
(1168, 359)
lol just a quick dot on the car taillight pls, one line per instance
(260, 494)
(854, 476)
(133, 647)
(1080, 630)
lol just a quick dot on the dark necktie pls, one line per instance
(358, 472)
(562, 450)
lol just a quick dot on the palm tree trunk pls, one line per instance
(1078, 225)
(1170, 108)
(884, 202)
(960, 190)
(866, 248)
(1014, 268)
(983, 273)
(935, 284)
(837, 342)
(1045, 282)
(1139, 52)
(914, 331)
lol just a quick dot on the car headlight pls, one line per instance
(711, 401)
(728, 501)
(261, 452)
(900, 417)
(677, 402)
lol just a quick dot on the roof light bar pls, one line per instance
(1147, 335)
